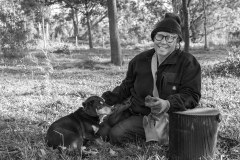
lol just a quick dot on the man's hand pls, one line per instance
(157, 105)
(118, 108)
(149, 128)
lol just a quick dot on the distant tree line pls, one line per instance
(80, 21)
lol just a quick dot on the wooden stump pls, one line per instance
(193, 134)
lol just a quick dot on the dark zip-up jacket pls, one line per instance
(178, 81)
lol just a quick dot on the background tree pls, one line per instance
(181, 8)
(137, 19)
(13, 35)
(61, 26)
(116, 53)
(92, 12)
(185, 24)
(205, 25)
(38, 12)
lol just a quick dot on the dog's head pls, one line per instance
(96, 107)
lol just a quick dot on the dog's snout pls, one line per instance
(106, 110)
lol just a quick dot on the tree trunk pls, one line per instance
(103, 40)
(43, 27)
(39, 30)
(43, 32)
(47, 31)
(75, 24)
(186, 28)
(77, 32)
(116, 53)
(89, 31)
(205, 26)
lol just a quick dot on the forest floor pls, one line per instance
(43, 86)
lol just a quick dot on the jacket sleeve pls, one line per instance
(189, 93)
(121, 92)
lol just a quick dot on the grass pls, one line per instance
(42, 87)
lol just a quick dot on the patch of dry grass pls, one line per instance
(39, 89)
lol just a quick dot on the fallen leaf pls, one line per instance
(112, 152)
(43, 152)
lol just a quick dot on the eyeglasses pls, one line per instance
(168, 38)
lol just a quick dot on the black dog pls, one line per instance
(76, 128)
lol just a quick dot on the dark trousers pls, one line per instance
(122, 127)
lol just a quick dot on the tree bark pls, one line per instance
(47, 31)
(116, 53)
(89, 31)
(186, 28)
(40, 30)
(43, 25)
(75, 24)
(43, 33)
(205, 25)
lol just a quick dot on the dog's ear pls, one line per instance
(89, 108)
(87, 103)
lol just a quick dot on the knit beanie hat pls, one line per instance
(171, 23)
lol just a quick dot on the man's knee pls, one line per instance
(117, 135)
